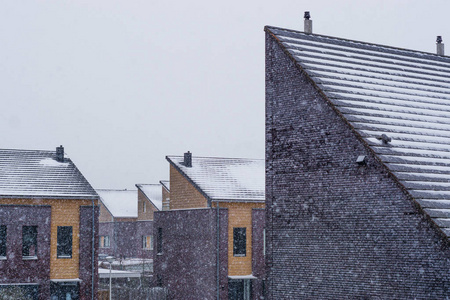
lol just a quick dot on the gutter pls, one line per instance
(93, 250)
(218, 251)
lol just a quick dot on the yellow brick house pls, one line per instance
(210, 242)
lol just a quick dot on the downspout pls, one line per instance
(218, 250)
(93, 249)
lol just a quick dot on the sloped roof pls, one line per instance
(120, 203)
(165, 184)
(400, 93)
(153, 192)
(232, 179)
(36, 173)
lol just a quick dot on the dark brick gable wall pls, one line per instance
(336, 229)
(187, 266)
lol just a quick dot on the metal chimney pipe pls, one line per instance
(308, 23)
(439, 46)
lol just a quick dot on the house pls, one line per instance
(209, 243)
(358, 169)
(48, 227)
(165, 194)
(126, 221)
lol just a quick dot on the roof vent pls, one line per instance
(308, 23)
(361, 160)
(188, 159)
(384, 138)
(439, 46)
(60, 153)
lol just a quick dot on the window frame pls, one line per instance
(159, 241)
(239, 241)
(147, 242)
(105, 241)
(33, 235)
(3, 241)
(61, 251)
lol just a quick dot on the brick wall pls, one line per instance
(14, 269)
(64, 212)
(179, 188)
(149, 207)
(165, 198)
(105, 215)
(336, 229)
(240, 215)
(85, 262)
(144, 228)
(107, 229)
(187, 265)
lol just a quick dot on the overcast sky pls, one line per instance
(122, 84)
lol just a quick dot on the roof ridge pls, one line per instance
(433, 55)
(217, 157)
(27, 150)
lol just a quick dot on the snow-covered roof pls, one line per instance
(153, 192)
(399, 93)
(233, 179)
(105, 273)
(165, 184)
(37, 173)
(120, 203)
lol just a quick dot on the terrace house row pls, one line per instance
(358, 169)
(209, 242)
(48, 227)
(126, 221)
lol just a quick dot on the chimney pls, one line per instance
(308, 23)
(188, 159)
(60, 153)
(439, 46)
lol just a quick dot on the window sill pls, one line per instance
(160, 253)
(64, 256)
(29, 258)
(239, 255)
(2, 257)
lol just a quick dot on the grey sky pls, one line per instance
(121, 84)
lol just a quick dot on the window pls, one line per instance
(159, 245)
(264, 241)
(147, 242)
(144, 206)
(64, 245)
(239, 289)
(104, 241)
(29, 241)
(2, 241)
(239, 241)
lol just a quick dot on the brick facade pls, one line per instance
(14, 269)
(86, 260)
(336, 229)
(187, 264)
(47, 215)
(150, 208)
(183, 194)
